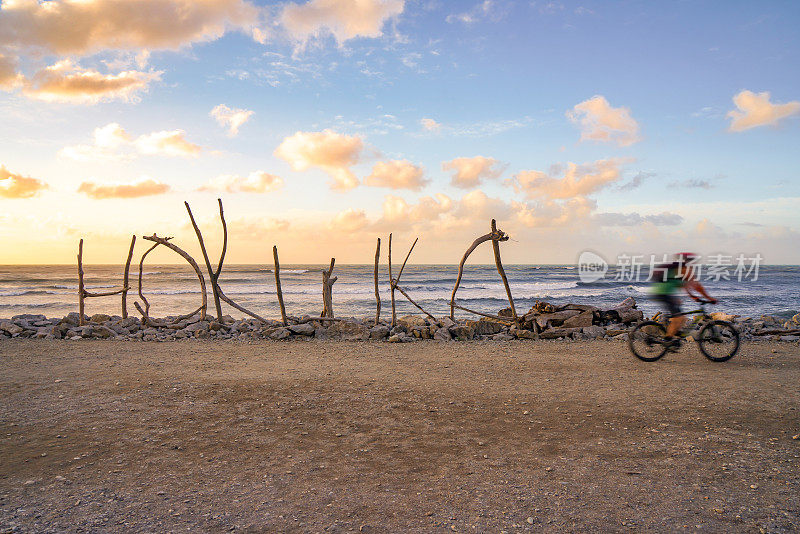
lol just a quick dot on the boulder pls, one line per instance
(443, 334)
(103, 332)
(622, 314)
(506, 312)
(303, 329)
(722, 316)
(100, 318)
(527, 334)
(629, 302)
(71, 319)
(593, 332)
(411, 321)
(395, 339)
(196, 327)
(446, 322)
(378, 332)
(555, 333)
(580, 307)
(583, 319)
(29, 317)
(348, 331)
(10, 328)
(547, 320)
(796, 319)
(280, 333)
(463, 332)
(486, 326)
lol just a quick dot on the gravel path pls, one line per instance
(374, 437)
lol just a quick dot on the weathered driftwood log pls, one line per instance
(400, 289)
(327, 287)
(185, 255)
(126, 285)
(776, 331)
(83, 294)
(500, 318)
(495, 236)
(213, 275)
(391, 282)
(278, 284)
(377, 295)
(146, 311)
(81, 320)
(499, 264)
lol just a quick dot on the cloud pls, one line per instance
(342, 19)
(470, 172)
(397, 174)
(485, 10)
(600, 122)
(401, 214)
(755, 109)
(69, 83)
(634, 219)
(636, 181)
(693, 183)
(430, 125)
(167, 143)
(329, 151)
(231, 118)
(9, 77)
(142, 188)
(112, 142)
(349, 221)
(549, 213)
(17, 186)
(577, 181)
(80, 27)
(478, 205)
(257, 182)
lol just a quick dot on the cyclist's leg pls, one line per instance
(673, 308)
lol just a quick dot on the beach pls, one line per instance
(331, 436)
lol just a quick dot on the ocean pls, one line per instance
(173, 289)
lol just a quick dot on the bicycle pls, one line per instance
(717, 340)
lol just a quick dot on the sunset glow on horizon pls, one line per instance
(626, 127)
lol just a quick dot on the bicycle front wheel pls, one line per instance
(646, 341)
(718, 341)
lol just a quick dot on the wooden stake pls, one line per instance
(146, 311)
(472, 247)
(81, 320)
(211, 274)
(377, 295)
(126, 286)
(400, 289)
(496, 247)
(278, 284)
(391, 281)
(182, 253)
(327, 293)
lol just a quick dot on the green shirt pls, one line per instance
(668, 285)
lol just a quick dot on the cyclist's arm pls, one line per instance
(693, 285)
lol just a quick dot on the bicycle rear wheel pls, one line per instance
(646, 341)
(718, 341)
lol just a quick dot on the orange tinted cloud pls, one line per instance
(87, 26)
(231, 118)
(600, 122)
(470, 172)
(349, 221)
(17, 186)
(755, 109)
(397, 174)
(327, 150)
(9, 77)
(577, 180)
(343, 19)
(66, 82)
(257, 182)
(143, 188)
(430, 125)
(113, 142)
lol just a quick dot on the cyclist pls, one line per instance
(667, 279)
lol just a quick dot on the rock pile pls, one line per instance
(543, 321)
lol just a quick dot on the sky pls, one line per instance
(617, 127)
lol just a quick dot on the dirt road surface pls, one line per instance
(198, 436)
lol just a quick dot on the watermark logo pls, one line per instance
(591, 267)
(640, 268)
